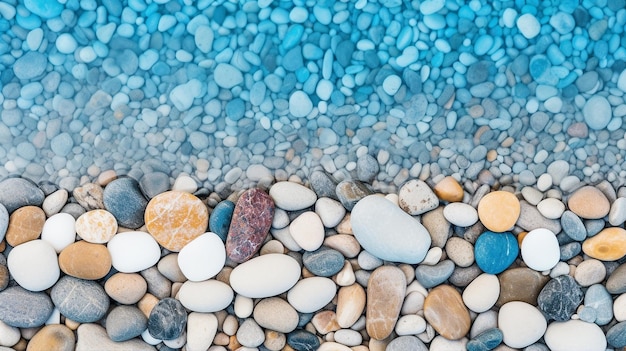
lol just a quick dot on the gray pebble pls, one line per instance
(83, 301)
(367, 168)
(431, 276)
(167, 320)
(19, 192)
(406, 342)
(24, 309)
(125, 322)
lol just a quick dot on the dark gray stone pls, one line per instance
(158, 285)
(24, 309)
(167, 320)
(302, 340)
(323, 184)
(406, 342)
(350, 192)
(19, 192)
(560, 297)
(323, 262)
(123, 198)
(367, 168)
(125, 322)
(83, 301)
(431, 276)
(154, 183)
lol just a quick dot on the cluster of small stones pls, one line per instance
(317, 264)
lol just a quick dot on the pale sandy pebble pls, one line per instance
(551, 208)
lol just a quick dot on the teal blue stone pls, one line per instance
(44, 8)
(293, 36)
(220, 218)
(495, 252)
(485, 341)
(616, 336)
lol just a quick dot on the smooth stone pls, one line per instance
(521, 323)
(406, 342)
(482, 293)
(250, 224)
(83, 301)
(53, 337)
(405, 239)
(311, 294)
(227, 76)
(276, 314)
(167, 320)
(350, 305)
(430, 276)
(265, 276)
(32, 64)
(323, 184)
(154, 183)
(437, 226)
(300, 104)
(367, 168)
(123, 198)
(85, 260)
(125, 322)
(349, 192)
(202, 258)
(483, 322)
(551, 208)
(323, 262)
(175, 218)
(499, 210)
(307, 230)
(560, 297)
(291, 196)
(330, 211)
(25, 224)
(597, 112)
(91, 336)
(304, 340)
(616, 283)
(616, 335)
(487, 340)
(460, 214)
(445, 312)
(590, 272)
(599, 299)
(126, 288)
(324, 321)
(205, 296)
(90, 196)
(495, 252)
(344, 243)
(158, 285)
(249, 334)
(220, 218)
(96, 226)
(573, 226)
(416, 197)
(19, 192)
(540, 249)
(575, 335)
(201, 331)
(460, 251)
(168, 266)
(530, 218)
(520, 284)
(528, 25)
(4, 221)
(589, 203)
(133, 251)
(449, 189)
(34, 265)
(617, 214)
(411, 324)
(22, 308)
(350, 337)
(608, 245)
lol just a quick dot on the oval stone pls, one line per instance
(292, 196)
(350, 305)
(589, 202)
(126, 288)
(219, 220)
(53, 337)
(521, 324)
(387, 232)
(520, 284)
(24, 309)
(276, 314)
(133, 251)
(206, 296)
(445, 311)
(499, 210)
(167, 320)
(19, 192)
(311, 294)
(482, 293)
(175, 218)
(495, 252)
(34, 265)
(265, 276)
(307, 231)
(560, 298)
(59, 231)
(123, 198)
(616, 336)
(575, 335)
(608, 245)
(386, 288)
(449, 189)
(83, 301)
(125, 322)
(97, 226)
(540, 249)
(202, 258)
(25, 224)
(323, 262)
(85, 260)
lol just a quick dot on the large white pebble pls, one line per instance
(59, 231)
(540, 249)
(292, 196)
(202, 258)
(207, 296)
(34, 265)
(311, 294)
(460, 214)
(482, 293)
(575, 335)
(308, 231)
(133, 251)
(348, 337)
(201, 330)
(331, 212)
(619, 308)
(521, 324)
(265, 276)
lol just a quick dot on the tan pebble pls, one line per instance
(499, 210)
(378, 345)
(345, 276)
(446, 313)
(168, 266)
(55, 337)
(25, 224)
(608, 245)
(147, 303)
(4, 277)
(221, 339)
(90, 196)
(106, 177)
(460, 251)
(344, 243)
(274, 341)
(224, 275)
(230, 325)
(126, 288)
(176, 288)
(85, 260)
(492, 155)
(520, 284)
(272, 246)
(350, 305)
(233, 344)
(386, 289)
(97, 226)
(590, 272)
(325, 322)
(449, 189)
(344, 227)
(589, 203)
(438, 227)
(73, 325)
(55, 202)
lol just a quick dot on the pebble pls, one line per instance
(616, 335)
(351, 337)
(126, 288)
(25, 224)
(599, 299)
(30, 66)
(202, 258)
(307, 230)
(175, 218)
(85, 260)
(300, 104)
(367, 168)
(276, 314)
(540, 249)
(551, 208)
(55, 202)
(415, 197)
(83, 301)
(311, 294)
(608, 245)
(330, 211)
(412, 324)
(250, 224)
(323, 262)
(589, 203)
(449, 189)
(19, 192)
(220, 218)
(17, 307)
(53, 337)
(201, 330)
(323, 184)
(154, 183)
(559, 298)
(573, 226)
(205, 296)
(34, 265)
(520, 284)
(597, 112)
(96, 226)
(385, 292)
(432, 275)
(445, 311)
(482, 293)
(250, 334)
(304, 340)
(227, 76)
(521, 324)
(125, 322)
(90, 196)
(133, 251)
(486, 340)
(265, 276)
(575, 335)
(124, 200)
(91, 336)
(460, 214)
(495, 252)
(499, 210)
(590, 272)
(528, 25)
(375, 217)
(406, 342)
(349, 192)
(167, 320)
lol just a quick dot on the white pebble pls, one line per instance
(528, 25)
(300, 104)
(551, 208)
(411, 324)
(540, 249)
(482, 293)
(59, 231)
(133, 251)
(308, 231)
(203, 257)
(311, 294)
(392, 84)
(205, 296)
(292, 196)
(34, 265)
(331, 212)
(575, 335)
(265, 276)
(521, 324)
(460, 214)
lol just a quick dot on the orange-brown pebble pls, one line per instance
(126, 288)
(499, 210)
(25, 224)
(350, 305)
(85, 260)
(233, 343)
(520, 238)
(589, 203)
(54, 337)
(325, 322)
(147, 303)
(97, 226)
(174, 218)
(449, 189)
(608, 245)
(446, 313)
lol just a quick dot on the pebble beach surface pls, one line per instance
(296, 175)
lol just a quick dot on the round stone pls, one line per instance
(449, 189)
(590, 272)
(124, 199)
(460, 214)
(59, 231)
(201, 330)
(133, 251)
(589, 203)
(276, 314)
(265, 276)
(97, 226)
(202, 258)
(126, 288)
(608, 245)
(300, 104)
(560, 297)
(34, 265)
(53, 337)
(521, 323)
(495, 252)
(227, 76)
(205, 296)
(445, 312)
(311, 294)
(482, 293)
(308, 231)
(415, 197)
(167, 320)
(528, 25)
(499, 210)
(540, 249)
(25, 224)
(597, 112)
(83, 301)
(575, 335)
(125, 322)
(85, 260)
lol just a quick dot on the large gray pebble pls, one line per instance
(24, 309)
(83, 301)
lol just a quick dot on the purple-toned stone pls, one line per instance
(251, 222)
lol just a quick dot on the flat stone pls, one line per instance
(22, 308)
(385, 292)
(126, 288)
(589, 203)
(311, 294)
(367, 168)
(123, 198)
(430, 276)
(265, 276)
(445, 312)
(276, 314)
(482, 293)
(499, 210)
(19, 192)
(520, 284)
(167, 320)
(249, 334)
(487, 340)
(415, 197)
(93, 336)
(449, 189)
(220, 218)
(34, 265)
(55, 202)
(575, 335)
(227, 76)
(616, 283)
(25, 224)
(175, 218)
(608, 245)
(597, 112)
(83, 301)
(154, 183)
(96, 226)
(4, 221)
(202, 258)
(125, 322)
(324, 321)
(205, 296)
(521, 323)
(32, 64)
(53, 337)
(349, 192)
(573, 226)
(617, 214)
(133, 251)
(251, 222)
(292, 196)
(85, 260)
(495, 252)
(460, 214)
(90, 196)
(560, 297)
(330, 211)
(350, 305)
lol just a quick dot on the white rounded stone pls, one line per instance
(540, 249)
(59, 231)
(528, 25)
(133, 251)
(244, 306)
(292, 196)
(521, 324)
(66, 44)
(551, 208)
(331, 212)
(206, 296)
(482, 293)
(311, 294)
(203, 257)
(265, 276)
(532, 195)
(9, 335)
(617, 214)
(300, 104)
(411, 324)
(227, 76)
(575, 335)
(460, 214)
(439, 343)
(348, 337)
(308, 231)
(201, 330)
(597, 112)
(392, 84)
(619, 308)
(34, 265)
(185, 183)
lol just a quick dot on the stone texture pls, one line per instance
(158, 285)
(125, 322)
(24, 309)
(445, 311)
(495, 252)
(126, 288)
(521, 324)
(175, 218)
(430, 276)
(385, 293)
(265, 276)
(350, 305)
(608, 245)
(323, 262)
(323, 184)
(449, 189)
(94, 337)
(520, 284)
(96, 226)
(276, 314)
(303, 340)
(499, 210)
(83, 301)
(350, 192)
(34, 265)
(560, 297)
(90, 196)
(220, 218)
(589, 203)
(154, 183)
(55, 337)
(167, 320)
(415, 197)
(205, 296)
(25, 224)
(575, 335)
(250, 224)
(125, 201)
(19, 192)
(85, 260)
(530, 218)
(616, 283)
(201, 330)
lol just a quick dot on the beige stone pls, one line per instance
(126, 288)
(438, 227)
(90, 196)
(25, 224)
(344, 243)
(53, 337)
(445, 311)
(386, 289)
(96, 226)
(589, 203)
(608, 245)
(325, 322)
(85, 260)
(499, 210)
(350, 305)
(276, 314)
(449, 189)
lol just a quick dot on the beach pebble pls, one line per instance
(125, 322)
(133, 251)
(85, 260)
(227, 76)
(34, 265)
(307, 230)
(415, 197)
(482, 293)
(276, 314)
(202, 258)
(367, 168)
(385, 292)
(521, 323)
(487, 340)
(589, 203)
(292, 196)
(589, 272)
(96, 226)
(311, 294)
(449, 189)
(19, 192)
(460, 251)
(560, 297)
(250, 224)
(126, 288)
(175, 218)
(617, 214)
(304, 340)
(83, 301)
(201, 330)
(406, 342)
(167, 320)
(154, 183)
(124, 200)
(205, 296)
(265, 276)
(573, 226)
(540, 249)
(616, 283)
(460, 214)
(495, 252)
(412, 324)
(608, 245)
(220, 218)
(4, 221)
(601, 302)
(528, 25)
(575, 335)
(344, 243)
(351, 337)
(330, 211)
(323, 184)
(9, 335)
(250, 334)
(499, 210)
(406, 240)
(25, 224)
(445, 311)
(349, 192)
(551, 208)
(520, 284)
(90, 196)
(22, 308)
(91, 336)
(323, 262)
(597, 112)
(350, 305)
(432, 275)
(53, 337)
(300, 104)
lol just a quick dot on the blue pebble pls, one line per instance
(430, 276)
(124, 199)
(539, 64)
(568, 251)
(293, 36)
(302, 340)
(598, 298)
(323, 262)
(495, 252)
(235, 109)
(483, 44)
(45, 9)
(616, 336)
(485, 341)
(220, 218)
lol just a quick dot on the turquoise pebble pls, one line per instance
(485, 341)
(495, 252)
(220, 218)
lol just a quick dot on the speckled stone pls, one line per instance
(167, 320)
(250, 224)
(125, 201)
(125, 322)
(220, 218)
(416, 197)
(24, 309)
(616, 283)
(85, 260)
(445, 311)
(431, 276)
(302, 340)
(90, 196)
(386, 288)
(25, 224)
(126, 288)
(19, 192)
(276, 314)
(55, 337)
(350, 192)
(323, 184)
(560, 297)
(83, 301)
(520, 284)
(96, 226)
(323, 262)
